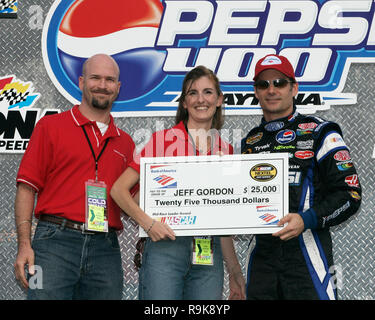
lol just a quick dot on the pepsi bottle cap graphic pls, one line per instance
(124, 29)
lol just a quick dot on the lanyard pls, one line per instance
(96, 159)
(193, 142)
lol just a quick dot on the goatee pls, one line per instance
(99, 105)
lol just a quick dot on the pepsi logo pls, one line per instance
(160, 40)
(77, 29)
(285, 136)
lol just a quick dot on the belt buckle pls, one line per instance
(84, 231)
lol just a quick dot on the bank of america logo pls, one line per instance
(269, 218)
(166, 181)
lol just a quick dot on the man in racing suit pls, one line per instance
(324, 190)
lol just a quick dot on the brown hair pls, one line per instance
(191, 76)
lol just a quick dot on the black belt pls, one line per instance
(75, 225)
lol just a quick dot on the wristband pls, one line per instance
(152, 224)
(22, 222)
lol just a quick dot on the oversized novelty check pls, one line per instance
(216, 195)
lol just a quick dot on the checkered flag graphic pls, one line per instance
(5, 4)
(13, 97)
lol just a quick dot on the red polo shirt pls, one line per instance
(176, 142)
(58, 161)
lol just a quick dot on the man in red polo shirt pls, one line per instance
(71, 162)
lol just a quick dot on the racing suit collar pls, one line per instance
(278, 124)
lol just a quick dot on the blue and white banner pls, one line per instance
(156, 42)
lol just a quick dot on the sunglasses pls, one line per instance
(277, 83)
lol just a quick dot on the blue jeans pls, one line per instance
(76, 266)
(168, 274)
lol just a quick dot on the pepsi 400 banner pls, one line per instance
(156, 42)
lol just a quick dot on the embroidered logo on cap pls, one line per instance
(271, 60)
